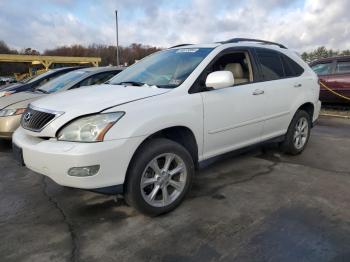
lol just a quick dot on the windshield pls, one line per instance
(165, 69)
(323, 69)
(62, 81)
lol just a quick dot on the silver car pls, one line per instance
(12, 107)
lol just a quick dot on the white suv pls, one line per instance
(144, 132)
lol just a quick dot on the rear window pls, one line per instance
(271, 64)
(343, 67)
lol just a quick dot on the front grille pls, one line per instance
(35, 120)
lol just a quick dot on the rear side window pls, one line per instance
(343, 67)
(271, 64)
(291, 68)
(323, 69)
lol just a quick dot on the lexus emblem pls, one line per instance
(27, 116)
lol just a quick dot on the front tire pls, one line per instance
(298, 133)
(159, 177)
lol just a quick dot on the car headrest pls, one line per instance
(236, 70)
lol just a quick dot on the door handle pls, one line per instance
(297, 85)
(258, 92)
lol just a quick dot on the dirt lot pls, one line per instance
(255, 206)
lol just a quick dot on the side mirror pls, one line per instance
(220, 79)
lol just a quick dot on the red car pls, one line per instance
(334, 72)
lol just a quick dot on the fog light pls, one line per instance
(84, 171)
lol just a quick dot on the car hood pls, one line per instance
(18, 98)
(96, 98)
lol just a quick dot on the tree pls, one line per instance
(322, 52)
(128, 54)
(29, 51)
(10, 68)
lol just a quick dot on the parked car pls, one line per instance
(5, 80)
(144, 133)
(334, 72)
(30, 84)
(12, 107)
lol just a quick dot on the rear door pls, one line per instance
(282, 83)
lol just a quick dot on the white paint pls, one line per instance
(221, 120)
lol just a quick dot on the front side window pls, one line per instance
(165, 69)
(322, 69)
(238, 63)
(271, 64)
(62, 81)
(343, 67)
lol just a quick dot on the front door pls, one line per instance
(233, 116)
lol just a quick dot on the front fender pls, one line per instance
(149, 116)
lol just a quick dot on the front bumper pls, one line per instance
(54, 158)
(8, 125)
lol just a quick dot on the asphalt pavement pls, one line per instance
(255, 205)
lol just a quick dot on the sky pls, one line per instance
(301, 25)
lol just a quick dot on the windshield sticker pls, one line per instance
(175, 82)
(187, 50)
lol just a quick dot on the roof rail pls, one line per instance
(237, 40)
(179, 45)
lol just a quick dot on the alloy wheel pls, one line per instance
(301, 133)
(163, 180)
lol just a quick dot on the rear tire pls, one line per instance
(298, 133)
(159, 177)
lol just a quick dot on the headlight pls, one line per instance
(6, 93)
(12, 112)
(90, 128)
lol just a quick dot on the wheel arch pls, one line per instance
(180, 134)
(302, 104)
(309, 108)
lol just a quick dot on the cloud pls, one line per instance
(301, 25)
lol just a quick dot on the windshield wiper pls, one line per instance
(42, 91)
(134, 83)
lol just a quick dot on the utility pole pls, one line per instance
(116, 24)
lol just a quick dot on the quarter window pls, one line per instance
(323, 69)
(343, 67)
(271, 64)
(291, 68)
